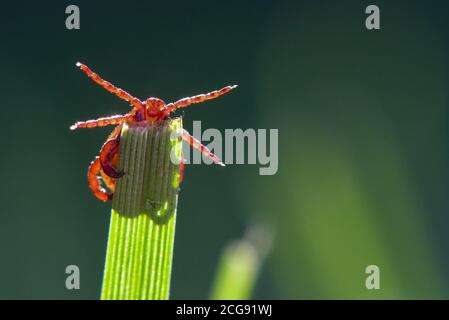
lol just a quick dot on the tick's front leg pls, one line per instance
(102, 122)
(122, 94)
(197, 99)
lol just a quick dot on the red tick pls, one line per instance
(104, 167)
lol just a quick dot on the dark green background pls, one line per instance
(363, 140)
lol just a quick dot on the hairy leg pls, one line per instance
(122, 94)
(197, 99)
(102, 122)
(200, 147)
(181, 170)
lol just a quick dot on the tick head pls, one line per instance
(154, 105)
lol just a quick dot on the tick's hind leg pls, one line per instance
(109, 158)
(200, 147)
(181, 170)
(94, 183)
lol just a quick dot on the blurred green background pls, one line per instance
(363, 140)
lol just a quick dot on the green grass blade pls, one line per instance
(142, 228)
(240, 263)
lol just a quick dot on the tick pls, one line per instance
(104, 167)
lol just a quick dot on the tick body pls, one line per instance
(104, 168)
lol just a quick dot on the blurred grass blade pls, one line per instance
(142, 228)
(240, 263)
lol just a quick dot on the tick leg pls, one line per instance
(122, 94)
(200, 147)
(197, 99)
(94, 183)
(115, 133)
(102, 122)
(181, 170)
(109, 156)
